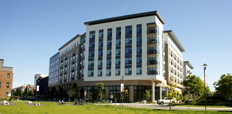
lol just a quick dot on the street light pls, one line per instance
(121, 80)
(205, 65)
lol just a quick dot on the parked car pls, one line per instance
(166, 101)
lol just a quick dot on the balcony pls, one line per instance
(151, 52)
(151, 31)
(153, 62)
(151, 41)
(152, 72)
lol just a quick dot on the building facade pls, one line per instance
(53, 70)
(187, 69)
(173, 59)
(132, 49)
(6, 80)
(42, 84)
(37, 76)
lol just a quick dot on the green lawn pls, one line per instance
(55, 108)
(208, 106)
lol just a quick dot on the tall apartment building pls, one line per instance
(129, 46)
(6, 80)
(132, 49)
(70, 62)
(53, 70)
(37, 76)
(173, 59)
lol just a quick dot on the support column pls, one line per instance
(107, 92)
(160, 92)
(131, 94)
(85, 92)
(153, 91)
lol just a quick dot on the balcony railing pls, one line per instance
(151, 62)
(151, 31)
(151, 41)
(151, 52)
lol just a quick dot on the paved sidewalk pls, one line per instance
(166, 107)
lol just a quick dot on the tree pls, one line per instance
(124, 94)
(195, 86)
(224, 86)
(60, 93)
(29, 92)
(53, 93)
(69, 93)
(147, 94)
(172, 93)
(100, 87)
(75, 90)
(48, 92)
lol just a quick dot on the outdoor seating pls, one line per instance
(5, 103)
(61, 102)
(37, 104)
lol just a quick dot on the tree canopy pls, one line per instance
(224, 86)
(100, 87)
(194, 85)
(75, 90)
(172, 93)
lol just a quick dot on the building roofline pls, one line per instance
(189, 64)
(131, 16)
(78, 35)
(170, 32)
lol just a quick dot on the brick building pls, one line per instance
(6, 80)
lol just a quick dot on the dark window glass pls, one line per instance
(128, 51)
(92, 35)
(118, 32)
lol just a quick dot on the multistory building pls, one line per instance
(132, 49)
(173, 59)
(187, 69)
(6, 79)
(37, 76)
(53, 70)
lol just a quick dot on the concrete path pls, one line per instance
(166, 107)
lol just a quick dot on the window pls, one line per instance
(139, 29)
(118, 32)
(108, 72)
(91, 64)
(128, 71)
(139, 71)
(128, 30)
(109, 43)
(128, 61)
(139, 40)
(90, 73)
(117, 72)
(117, 62)
(100, 54)
(91, 45)
(108, 53)
(100, 34)
(128, 51)
(7, 85)
(139, 50)
(0, 84)
(118, 52)
(118, 42)
(128, 41)
(108, 63)
(139, 60)
(100, 44)
(91, 54)
(152, 61)
(8, 75)
(99, 73)
(92, 35)
(151, 30)
(99, 63)
(109, 33)
(151, 71)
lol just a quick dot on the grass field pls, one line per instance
(55, 108)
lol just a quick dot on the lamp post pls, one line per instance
(205, 65)
(121, 81)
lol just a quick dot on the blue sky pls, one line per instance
(32, 31)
